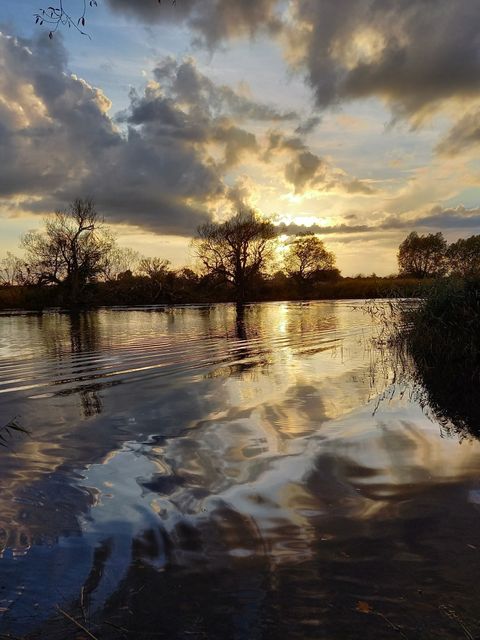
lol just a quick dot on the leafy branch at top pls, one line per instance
(57, 16)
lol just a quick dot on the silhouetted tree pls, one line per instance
(12, 270)
(160, 278)
(121, 260)
(73, 249)
(307, 259)
(423, 256)
(154, 268)
(464, 257)
(236, 250)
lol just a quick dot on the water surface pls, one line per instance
(189, 473)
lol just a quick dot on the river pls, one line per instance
(191, 473)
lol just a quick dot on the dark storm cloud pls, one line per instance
(212, 20)
(413, 54)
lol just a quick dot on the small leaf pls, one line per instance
(363, 607)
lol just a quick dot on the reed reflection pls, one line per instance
(450, 391)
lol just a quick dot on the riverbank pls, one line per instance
(142, 291)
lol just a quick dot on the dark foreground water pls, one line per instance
(191, 474)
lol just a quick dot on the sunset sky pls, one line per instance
(359, 118)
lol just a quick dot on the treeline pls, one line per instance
(430, 256)
(75, 261)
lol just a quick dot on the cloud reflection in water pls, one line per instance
(187, 442)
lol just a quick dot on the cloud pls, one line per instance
(160, 164)
(293, 229)
(358, 187)
(213, 21)
(436, 219)
(413, 54)
(187, 85)
(61, 143)
(463, 136)
(308, 125)
(44, 115)
(237, 141)
(306, 171)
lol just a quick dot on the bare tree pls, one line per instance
(154, 268)
(121, 260)
(160, 277)
(72, 250)
(423, 256)
(307, 258)
(12, 270)
(236, 250)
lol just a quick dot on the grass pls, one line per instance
(440, 337)
(447, 326)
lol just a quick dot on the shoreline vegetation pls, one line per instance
(436, 343)
(141, 291)
(74, 262)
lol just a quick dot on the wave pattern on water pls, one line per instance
(178, 354)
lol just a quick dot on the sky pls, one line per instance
(358, 120)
